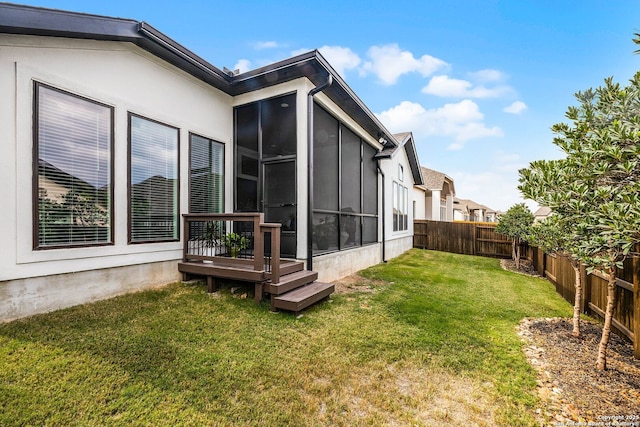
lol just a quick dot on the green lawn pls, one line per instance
(429, 339)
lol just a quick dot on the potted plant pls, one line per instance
(324, 233)
(235, 243)
(210, 239)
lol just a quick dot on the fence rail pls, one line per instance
(481, 239)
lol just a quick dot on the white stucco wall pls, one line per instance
(130, 80)
(391, 174)
(420, 203)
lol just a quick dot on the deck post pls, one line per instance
(211, 284)
(258, 243)
(275, 254)
(258, 292)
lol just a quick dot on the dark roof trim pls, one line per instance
(29, 20)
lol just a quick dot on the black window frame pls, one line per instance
(223, 189)
(37, 144)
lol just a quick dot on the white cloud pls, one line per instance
(388, 63)
(461, 121)
(488, 75)
(340, 58)
(265, 45)
(515, 108)
(243, 65)
(445, 86)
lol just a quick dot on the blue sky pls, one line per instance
(479, 83)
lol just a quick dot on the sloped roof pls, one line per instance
(542, 211)
(469, 205)
(435, 180)
(38, 21)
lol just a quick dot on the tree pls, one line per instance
(555, 235)
(515, 224)
(595, 189)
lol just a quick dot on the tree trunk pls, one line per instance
(578, 299)
(514, 254)
(608, 316)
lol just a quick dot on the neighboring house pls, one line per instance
(133, 130)
(468, 210)
(541, 213)
(434, 198)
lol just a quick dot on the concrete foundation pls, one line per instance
(26, 297)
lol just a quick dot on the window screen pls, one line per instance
(345, 183)
(73, 155)
(351, 174)
(153, 181)
(326, 167)
(369, 180)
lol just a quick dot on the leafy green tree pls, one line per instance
(595, 189)
(515, 224)
(554, 235)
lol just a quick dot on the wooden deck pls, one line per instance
(288, 284)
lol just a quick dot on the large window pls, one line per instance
(73, 140)
(206, 175)
(400, 207)
(153, 181)
(345, 186)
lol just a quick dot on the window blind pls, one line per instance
(206, 186)
(73, 145)
(153, 181)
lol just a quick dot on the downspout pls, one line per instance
(384, 258)
(310, 96)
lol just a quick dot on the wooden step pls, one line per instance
(290, 282)
(290, 267)
(301, 298)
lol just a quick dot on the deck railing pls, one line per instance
(240, 237)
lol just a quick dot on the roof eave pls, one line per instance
(29, 20)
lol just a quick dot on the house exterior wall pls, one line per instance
(399, 241)
(419, 200)
(449, 217)
(130, 80)
(435, 205)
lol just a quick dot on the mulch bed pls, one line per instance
(572, 391)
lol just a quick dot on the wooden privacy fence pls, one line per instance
(626, 313)
(470, 238)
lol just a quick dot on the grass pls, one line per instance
(431, 342)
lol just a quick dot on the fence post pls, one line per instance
(586, 289)
(636, 307)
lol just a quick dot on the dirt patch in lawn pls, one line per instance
(357, 284)
(400, 395)
(571, 389)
